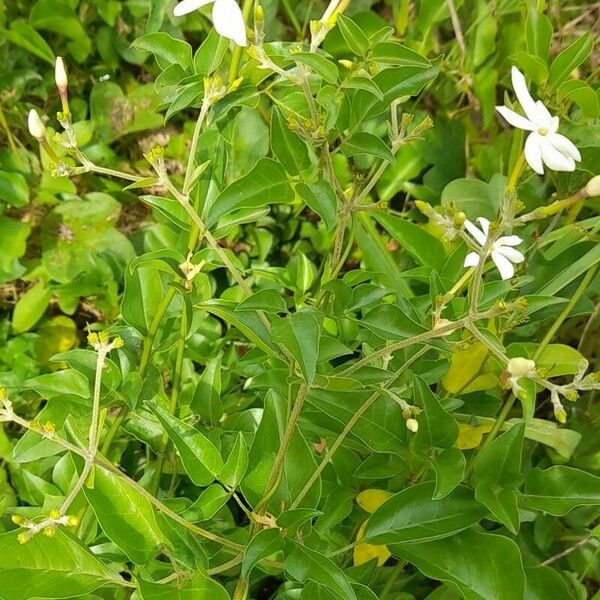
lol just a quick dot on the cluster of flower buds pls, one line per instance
(101, 342)
(6, 407)
(47, 429)
(215, 88)
(48, 527)
(447, 218)
(190, 270)
(409, 412)
(306, 129)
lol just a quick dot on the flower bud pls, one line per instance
(49, 531)
(593, 187)
(36, 127)
(118, 342)
(18, 520)
(259, 15)
(55, 514)
(520, 367)
(412, 425)
(60, 74)
(23, 537)
(560, 414)
(72, 521)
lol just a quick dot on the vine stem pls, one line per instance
(350, 425)
(585, 282)
(165, 441)
(237, 51)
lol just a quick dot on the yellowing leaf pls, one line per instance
(57, 335)
(470, 437)
(465, 367)
(364, 552)
(371, 500)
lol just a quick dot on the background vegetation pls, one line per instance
(294, 388)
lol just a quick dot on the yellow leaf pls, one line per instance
(470, 436)
(58, 334)
(466, 363)
(371, 500)
(485, 381)
(364, 552)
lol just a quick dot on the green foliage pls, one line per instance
(294, 388)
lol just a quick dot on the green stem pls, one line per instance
(292, 17)
(144, 362)
(237, 51)
(585, 282)
(165, 442)
(496, 427)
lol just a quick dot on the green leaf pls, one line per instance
(538, 32)
(571, 58)
(559, 489)
(269, 301)
(207, 395)
(169, 208)
(245, 321)
(25, 36)
(264, 544)
(497, 474)
(422, 246)
(391, 323)
(476, 198)
(319, 64)
(413, 516)
(392, 53)
(211, 500)
(321, 198)
(449, 466)
(358, 82)
(48, 568)
(367, 143)
(236, 464)
(125, 515)
(300, 334)
(210, 54)
(265, 184)
(305, 564)
(437, 428)
(199, 587)
(478, 565)
(13, 189)
(166, 49)
(143, 293)
(31, 306)
(201, 459)
(287, 146)
(545, 583)
(357, 41)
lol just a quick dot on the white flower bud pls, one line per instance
(36, 127)
(60, 74)
(520, 367)
(412, 425)
(593, 187)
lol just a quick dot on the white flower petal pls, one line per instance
(509, 240)
(533, 153)
(188, 6)
(485, 225)
(477, 234)
(513, 255)
(523, 95)
(515, 119)
(554, 124)
(565, 146)
(229, 21)
(504, 265)
(472, 259)
(544, 116)
(554, 159)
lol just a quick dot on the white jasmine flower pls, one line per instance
(227, 17)
(502, 252)
(412, 425)
(544, 146)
